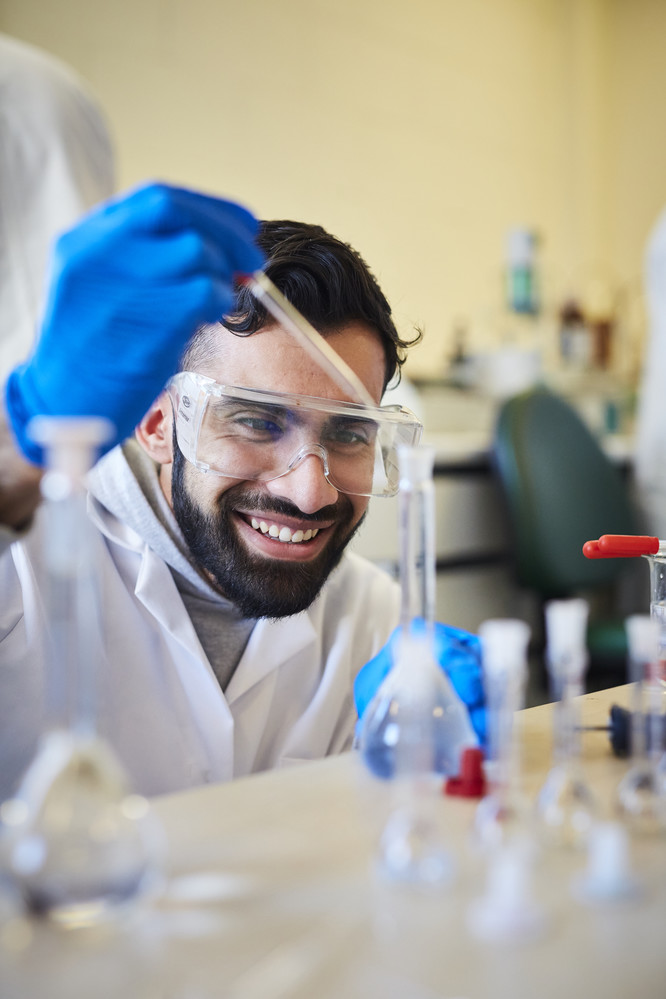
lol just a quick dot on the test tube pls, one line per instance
(76, 842)
(565, 805)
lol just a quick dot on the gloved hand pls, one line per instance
(129, 286)
(457, 652)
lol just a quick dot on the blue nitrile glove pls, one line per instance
(458, 653)
(129, 286)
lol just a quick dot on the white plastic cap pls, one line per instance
(508, 910)
(416, 463)
(504, 645)
(643, 638)
(566, 627)
(71, 442)
(520, 247)
(608, 875)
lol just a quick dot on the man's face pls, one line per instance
(269, 546)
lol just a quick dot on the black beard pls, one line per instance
(258, 585)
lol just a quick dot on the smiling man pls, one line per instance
(235, 620)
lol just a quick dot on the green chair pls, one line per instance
(561, 490)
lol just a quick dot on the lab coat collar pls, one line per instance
(271, 644)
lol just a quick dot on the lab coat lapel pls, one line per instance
(271, 644)
(157, 591)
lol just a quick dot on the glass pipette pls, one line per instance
(641, 793)
(565, 804)
(313, 342)
(76, 843)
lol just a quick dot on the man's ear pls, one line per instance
(155, 432)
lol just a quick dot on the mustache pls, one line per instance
(261, 503)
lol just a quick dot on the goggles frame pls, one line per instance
(190, 392)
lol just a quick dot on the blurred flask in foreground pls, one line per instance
(75, 843)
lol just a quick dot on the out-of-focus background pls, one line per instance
(422, 131)
(499, 164)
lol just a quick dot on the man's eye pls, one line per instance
(255, 423)
(350, 435)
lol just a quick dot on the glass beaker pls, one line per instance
(76, 843)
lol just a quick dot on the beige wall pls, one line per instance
(419, 130)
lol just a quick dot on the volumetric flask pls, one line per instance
(416, 722)
(641, 794)
(415, 728)
(76, 843)
(503, 812)
(566, 806)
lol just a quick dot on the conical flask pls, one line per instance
(75, 842)
(416, 723)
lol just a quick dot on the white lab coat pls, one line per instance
(160, 704)
(56, 162)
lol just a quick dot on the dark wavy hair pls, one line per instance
(325, 279)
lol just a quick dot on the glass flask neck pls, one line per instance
(417, 539)
(71, 446)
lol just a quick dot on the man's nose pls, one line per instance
(305, 484)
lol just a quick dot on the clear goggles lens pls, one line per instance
(249, 434)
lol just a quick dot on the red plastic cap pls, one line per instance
(471, 782)
(628, 544)
(621, 546)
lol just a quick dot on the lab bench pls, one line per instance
(272, 891)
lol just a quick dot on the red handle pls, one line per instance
(621, 546)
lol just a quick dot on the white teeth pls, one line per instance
(283, 533)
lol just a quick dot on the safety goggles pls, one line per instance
(243, 433)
